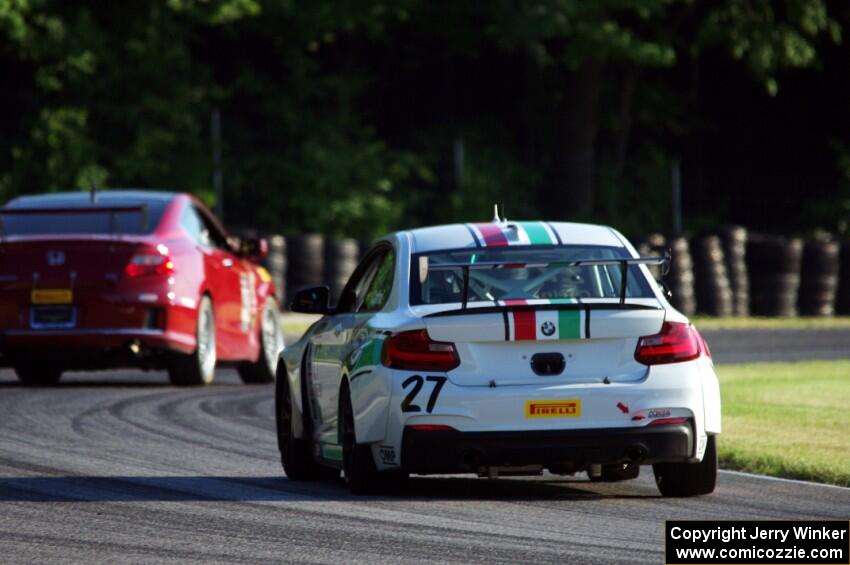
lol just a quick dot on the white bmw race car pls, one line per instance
(500, 348)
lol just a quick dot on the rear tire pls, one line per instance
(38, 375)
(359, 468)
(197, 368)
(271, 343)
(295, 456)
(688, 479)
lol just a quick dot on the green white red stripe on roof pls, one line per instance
(506, 234)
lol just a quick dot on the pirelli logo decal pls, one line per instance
(552, 408)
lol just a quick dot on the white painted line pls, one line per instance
(781, 480)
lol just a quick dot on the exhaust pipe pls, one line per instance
(635, 454)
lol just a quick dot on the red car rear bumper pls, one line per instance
(50, 341)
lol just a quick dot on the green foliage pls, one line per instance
(122, 95)
(757, 33)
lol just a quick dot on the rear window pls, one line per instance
(530, 273)
(85, 221)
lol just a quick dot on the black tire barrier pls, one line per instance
(680, 279)
(341, 257)
(714, 296)
(276, 264)
(734, 239)
(305, 263)
(773, 265)
(842, 301)
(650, 245)
(365, 246)
(819, 278)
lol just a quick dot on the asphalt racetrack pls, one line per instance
(121, 467)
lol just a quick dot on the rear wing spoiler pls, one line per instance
(622, 263)
(111, 210)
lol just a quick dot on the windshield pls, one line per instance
(528, 273)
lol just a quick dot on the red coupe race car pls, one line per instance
(127, 278)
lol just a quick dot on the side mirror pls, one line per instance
(254, 248)
(314, 300)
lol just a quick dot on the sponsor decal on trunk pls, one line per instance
(545, 324)
(570, 408)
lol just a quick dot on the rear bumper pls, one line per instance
(454, 451)
(84, 341)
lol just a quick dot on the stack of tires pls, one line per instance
(649, 246)
(681, 276)
(714, 296)
(365, 246)
(276, 264)
(734, 240)
(773, 265)
(341, 256)
(305, 263)
(842, 302)
(819, 277)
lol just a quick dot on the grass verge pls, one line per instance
(787, 419)
(755, 322)
(297, 324)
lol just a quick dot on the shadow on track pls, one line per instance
(279, 489)
(90, 384)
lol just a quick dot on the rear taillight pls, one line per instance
(675, 342)
(415, 351)
(150, 261)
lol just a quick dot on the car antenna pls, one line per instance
(496, 218)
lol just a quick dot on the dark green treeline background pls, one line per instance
(357, 117)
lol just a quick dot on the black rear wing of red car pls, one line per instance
(622, 263)
(111, 210)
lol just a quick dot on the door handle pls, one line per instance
(227, 262)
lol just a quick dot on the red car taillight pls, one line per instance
(415, 351)
(675, 342)
(150, 261)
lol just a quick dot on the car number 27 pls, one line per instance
(416, 382)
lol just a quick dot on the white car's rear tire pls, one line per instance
(358, 465)
(689, 479)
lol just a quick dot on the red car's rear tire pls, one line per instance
(31, 374)
(271, 343)
(197, 368)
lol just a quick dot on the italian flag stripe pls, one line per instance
(570, 324)
(537, 233)
(545, 324)
(492, 235)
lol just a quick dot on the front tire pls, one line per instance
(271, 343)
(197, 368)
(358, 465)
(295, 456)
(38, 375)
(688, 479)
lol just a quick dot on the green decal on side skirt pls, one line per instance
(332, 452)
